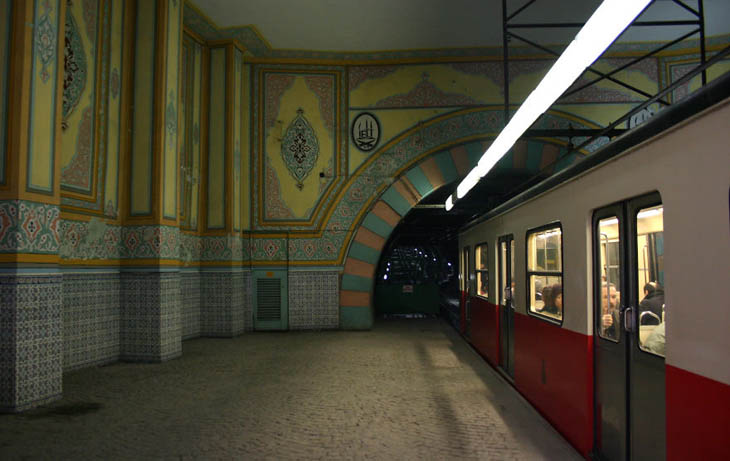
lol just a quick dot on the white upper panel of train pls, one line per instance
(689, 165)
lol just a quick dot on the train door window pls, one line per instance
(482, 270)
(650, 278)
(512, 270)
(462, 270)
(504, 294)
(545, 271)
(609, 253)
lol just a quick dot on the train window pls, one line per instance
(464, 278)
(545, 271)
(512, 269)
(650, 278)
(461, 272)
(608, 229)
(482, 270)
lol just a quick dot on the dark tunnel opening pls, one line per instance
(417, 274)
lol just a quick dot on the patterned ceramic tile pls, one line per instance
(247, 302)
(150, 324)
(191, 298)
(31, 340)
(150, 242)
(29, 227)
(225, 300)
(314, 300)
(91, 319)
(93, 239)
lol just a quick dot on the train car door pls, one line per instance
(628, 255)
(466, 280)
(506, 255)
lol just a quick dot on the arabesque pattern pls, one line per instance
(29, 227)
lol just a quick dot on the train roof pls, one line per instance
(713, 93)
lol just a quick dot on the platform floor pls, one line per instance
(408, 389)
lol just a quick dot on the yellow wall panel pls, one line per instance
(5, 10)
(185, 108)
(77, 139)
(246, 149)
(196, 101)
(41, 155)
(443, 77)
(299, 96)
(712, 73)
(170, 159)
(111, 186)
(238, 68)
(217, 135)
(144, 66)
(392, 123)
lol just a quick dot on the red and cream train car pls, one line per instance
(605, 298)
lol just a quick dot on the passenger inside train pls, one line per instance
(553, 298)
(656, 340)
(609, 311)
(651, 308)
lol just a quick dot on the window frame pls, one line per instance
(465, 255)
(477, 272)
(636, 206)
(617, 211)
(528, 272)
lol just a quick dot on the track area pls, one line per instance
(409, 389)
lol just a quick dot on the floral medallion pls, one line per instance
(45, 41)
(171, 119)
(300, 148)
(75, 69)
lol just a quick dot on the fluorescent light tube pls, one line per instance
(601, 29)
(467, 183)
(449, 203)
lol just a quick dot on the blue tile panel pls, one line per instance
(396, 201)
(356, 318)
(447, 167)
(364, 253)
(31, 341)
(419, 180)
(91, 316)
(356, 283)
(150, 324)
(314, 300)
(377, 225)
(190, 292)
(475, 151)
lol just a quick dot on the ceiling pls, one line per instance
(379, 25)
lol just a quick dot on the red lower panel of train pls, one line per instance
(553, 368)
(698, 416)
(554, 371)
(485, 329)
(462, 312)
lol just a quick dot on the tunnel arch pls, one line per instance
(415, 181)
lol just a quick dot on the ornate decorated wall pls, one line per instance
(153, 165)
(5, 15)
(333, 132)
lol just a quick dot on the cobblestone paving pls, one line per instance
(408, 389)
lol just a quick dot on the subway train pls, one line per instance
(603, 295)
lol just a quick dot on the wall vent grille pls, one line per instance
(268, 296)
